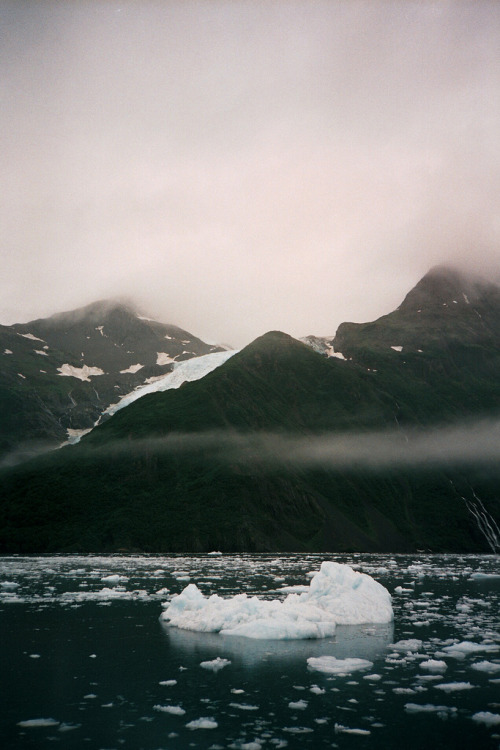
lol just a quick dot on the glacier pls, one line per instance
(185, 371)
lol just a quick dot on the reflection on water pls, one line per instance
(363, 641)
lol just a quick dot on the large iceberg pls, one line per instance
(336, 595)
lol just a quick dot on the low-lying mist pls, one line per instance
(463, 443)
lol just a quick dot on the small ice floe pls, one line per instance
(460, 650)
(168, 683)
(204, 722)
(452, 687)
(400, 590)
(244, 706)
(441, 711)
(64, 727)
(486, 717)
(300, 705)
(215, 553)
(298, 730)
(337, 594)
(115, 578)
(215, 664)
(397, 348)
(484, 576)
(486, 666)
(317, 690)
(434, 665)
(174, 710)
(34, 656)
(34, 723)
(341, 729)
(410, 645)
(331, 665)
(372, 677)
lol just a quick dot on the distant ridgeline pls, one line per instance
(381, 438)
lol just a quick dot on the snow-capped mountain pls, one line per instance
(59, 374)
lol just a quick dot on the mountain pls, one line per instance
(59, 374)
(214, 464)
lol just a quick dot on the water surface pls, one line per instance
(84, 657)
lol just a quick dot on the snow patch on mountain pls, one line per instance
(162, 358)
(82, 373)
(132, 369)
(31, 337)
(187, 371)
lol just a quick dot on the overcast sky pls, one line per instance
(237, 167)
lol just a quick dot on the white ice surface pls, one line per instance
(336, 595)
(486, 717)
(331, 665)
(215, 665)
(132, 369)
(81, 373)
(204, 722)
(187, 371)
(460, 650)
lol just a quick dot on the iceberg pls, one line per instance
(337, 595)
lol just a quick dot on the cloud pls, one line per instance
(240, 167)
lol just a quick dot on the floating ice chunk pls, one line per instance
(33, 723)
(317, 690)
(115, 578)
(331, 665)
(168, 683)
(486, 666)
(337, 594)
(412, 644)
(460, 650)
(341, 729)
(204, 722)
(175, 710)
(484, 576)
(434, 665)
(452, 687)
(244, 706)
(373, 677)
(68, 727)
(486, 717)
(415, 708)
(397, 348)
(216, 553)
(215, 664)
(401, 590)
(300, 705)
(298, 730)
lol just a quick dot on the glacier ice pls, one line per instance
(337, 594)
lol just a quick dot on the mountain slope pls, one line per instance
(59, 374)
(197, 468)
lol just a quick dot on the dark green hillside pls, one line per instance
(137, 482)
(44, 386)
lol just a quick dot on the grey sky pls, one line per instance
(243, 166)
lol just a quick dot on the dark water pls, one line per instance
(90, 655)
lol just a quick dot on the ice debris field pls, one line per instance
(429, 677)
